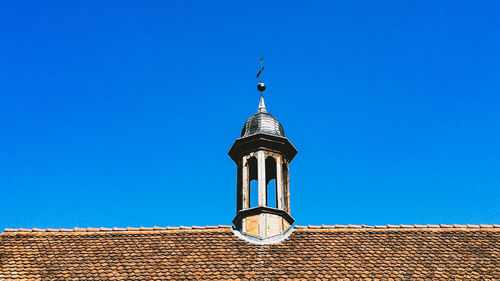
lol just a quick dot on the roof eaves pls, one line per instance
(402, 226)
(218, 227)
(117, 229)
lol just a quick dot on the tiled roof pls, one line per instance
(400, 252)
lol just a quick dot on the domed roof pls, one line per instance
(262, 123)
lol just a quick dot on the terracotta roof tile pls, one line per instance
(389, 252)
(337, 226)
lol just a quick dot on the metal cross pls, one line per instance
(261, 60)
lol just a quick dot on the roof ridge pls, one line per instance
(402, 226)
(299, 227)
(117, 229)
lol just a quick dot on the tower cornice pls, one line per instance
(262, 210)
(262, 142)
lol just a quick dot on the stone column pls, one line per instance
(286, 180)
(261, 166)
(245, 189)
(279, 183)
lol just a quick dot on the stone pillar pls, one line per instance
(245, 189)
(286, 184)
(261, 166)
(279, 184)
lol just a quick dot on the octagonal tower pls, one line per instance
(262, 154)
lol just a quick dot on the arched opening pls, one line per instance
(254, 185)
(254, 193)
(271, 194)
(271, 188)
(239, 188)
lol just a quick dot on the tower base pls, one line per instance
(263, 222)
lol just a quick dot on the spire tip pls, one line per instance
(262, 105)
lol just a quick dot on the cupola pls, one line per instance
(262, 155)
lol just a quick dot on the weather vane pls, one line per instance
(261, 87)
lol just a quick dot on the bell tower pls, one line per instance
(262, 155)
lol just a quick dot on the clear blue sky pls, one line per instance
(121, 113)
